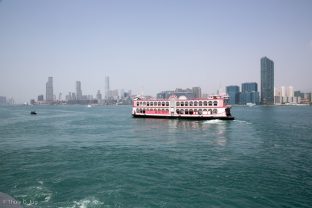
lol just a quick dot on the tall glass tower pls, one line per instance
(49, 90)
(267, 81)
(106, 87)
(78, 90)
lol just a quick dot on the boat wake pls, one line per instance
(242, 122)
(85, 203)
(215, 121)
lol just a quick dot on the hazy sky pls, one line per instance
(151, 45)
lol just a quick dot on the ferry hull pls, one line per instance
(184, 117)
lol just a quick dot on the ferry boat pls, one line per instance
(213, 107)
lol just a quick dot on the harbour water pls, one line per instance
(74, 156)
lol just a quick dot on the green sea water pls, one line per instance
(74, 156)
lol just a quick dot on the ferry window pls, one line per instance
(147, 103)
(159, 103)
(205, 103)
(215, 103)
(178, 103)
(195, 110)
(182, 111)
(186, 103)
(191, 103)
(151, 104)
(178, 111)
(200, 103)
(137, 103)
(167, 103)
(144, 110)
(144, 103)
(140, 103)
(186, 111)
(191, 111)
(155, 110)
(141, 110)
(205, 112)
(155, 103)
(138, 110)
(215, 111)
(209, 111)
(200, 111)
(163, 103)
(182, 103)
(195, 103)
(210, 103)
(167, 110)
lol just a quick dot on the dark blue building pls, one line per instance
(267, 81)
(233, 92)
(249, 93)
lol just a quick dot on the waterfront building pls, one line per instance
(249, 93)
(233, 92)
(40, 98)
(60, 96)
(73, 96)
(197, 92)
(298, 94)
(99, 96)
(49, 90)
(249, 87)
(164, 94)
(106, 87)
(283, 95)
(290, 92)
(3, 100)
(267, 81)
(78, 90)
(178, 92)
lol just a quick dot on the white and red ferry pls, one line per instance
(213, 107)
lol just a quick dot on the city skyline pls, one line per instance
(151, 46)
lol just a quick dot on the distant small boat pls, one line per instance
(33, 113)
(89, 106)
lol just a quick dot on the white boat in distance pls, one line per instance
(213, 107)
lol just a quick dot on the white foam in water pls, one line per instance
(215, 121)
(240, 121)
(85, 203)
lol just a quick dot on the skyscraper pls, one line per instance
(49, 90)
(267, 81)
(107, 87)
(233, 92)
(78, 90)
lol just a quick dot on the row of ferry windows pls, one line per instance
(197, 103)
(182, 103)
(140, 110)
(152, 103)
(181, 111)
(195, 111)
